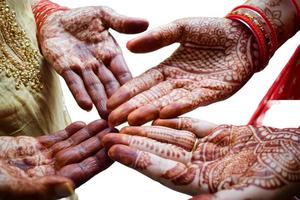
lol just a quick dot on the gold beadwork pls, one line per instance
(18, 59)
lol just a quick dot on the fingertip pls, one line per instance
(123, 154)
(114, 120)
(143, 44)
(120, 115)
(172, 123)
(119, 97)
(113, 139)
(173, 110)
(85, 103)
(135, 25)
(143, 115)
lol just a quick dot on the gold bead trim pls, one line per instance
(18, 59)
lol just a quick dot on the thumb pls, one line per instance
(121, 23)
(55, 187)
(157, 38)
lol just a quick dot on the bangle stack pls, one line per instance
(261, 27)
(44, 9)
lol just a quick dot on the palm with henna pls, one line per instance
(216, 162)
(50, 167)
(215, 59)
(78, 44)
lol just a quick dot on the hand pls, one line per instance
(232, 162)
(78, 45)
(215, 59)
(49, 167)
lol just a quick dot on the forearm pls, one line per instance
(281, 14)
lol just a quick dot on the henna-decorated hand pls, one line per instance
(78, 45)
(215, 59)
(231, 162)
(49, 167)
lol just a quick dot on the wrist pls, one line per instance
(42, 9)
(262, 29)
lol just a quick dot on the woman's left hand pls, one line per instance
(230, 162)
(78, 44)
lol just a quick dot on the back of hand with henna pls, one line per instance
(217, 56)
(230, 163)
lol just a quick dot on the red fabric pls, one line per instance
(286, 87)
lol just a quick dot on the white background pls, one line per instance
(119, 182)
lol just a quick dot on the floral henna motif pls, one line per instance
(216, 58)
(231, 158)
(265, 157)
(281, 16)
(79, 46)
(143, 161)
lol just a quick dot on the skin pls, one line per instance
(215, 59)
(78, 45)
(52, 166)
(216, 162)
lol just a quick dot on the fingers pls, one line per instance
(157, 38)
(151, 110)
(83, 134)
(96, 91)
(183, 139)
(107, 78)
(200, 97)
(121, 23)
(168, 172)
(167, 151)
(77, 88)
(81, 151)
(81, 172)
(49, 140)
(120, 69)
(199, 127)
(134, 87)
(120, 114)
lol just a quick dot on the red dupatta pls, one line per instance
(286, 87)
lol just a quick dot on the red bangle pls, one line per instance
(257, 33)
(269, 26)
(43, 10)
(261, 27)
